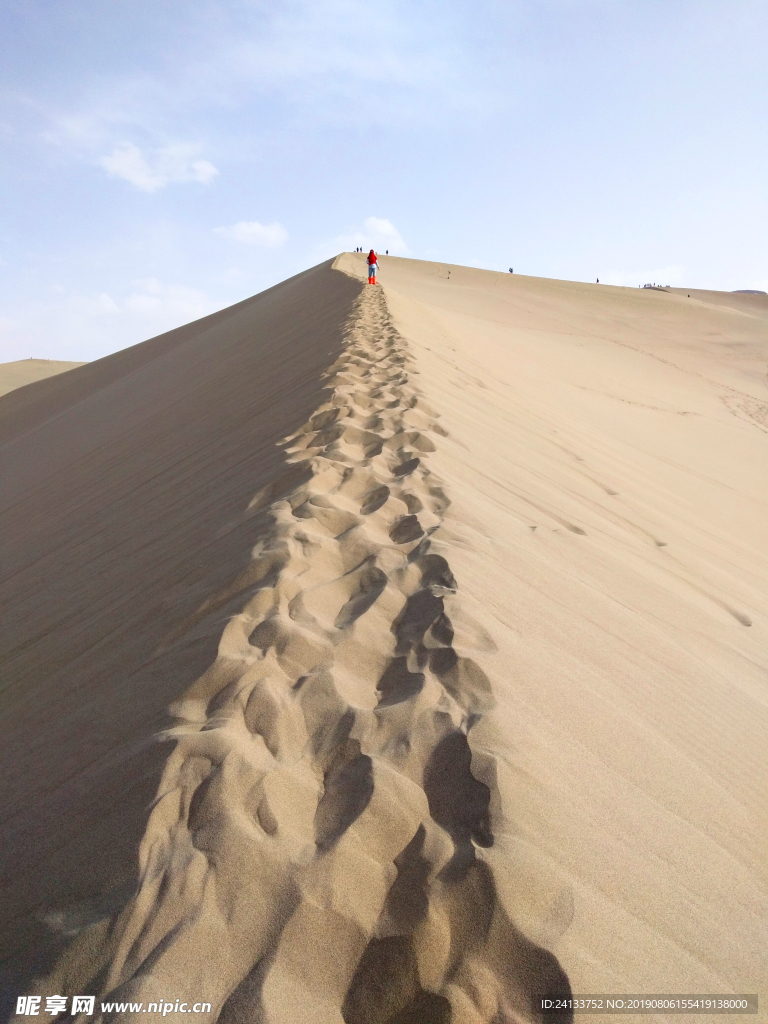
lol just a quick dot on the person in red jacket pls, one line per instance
(372, 267)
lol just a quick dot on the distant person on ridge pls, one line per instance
(372, 267)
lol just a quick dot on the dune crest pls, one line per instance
(450, 695)
(21, 372)
(313, 849)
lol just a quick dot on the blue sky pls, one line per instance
(161, 159)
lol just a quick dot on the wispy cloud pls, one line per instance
(166, 305)
(377, 233)
(90, 306)
(318, 61)
(167, 165)
(251, 232)
(86, 326)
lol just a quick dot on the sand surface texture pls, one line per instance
(26, 371)
(447, 600)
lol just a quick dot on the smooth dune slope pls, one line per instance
(21, 372)
(608, 461)
(448, 598)
(125, 484)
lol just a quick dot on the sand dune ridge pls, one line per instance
(313, 848)
(469, 688)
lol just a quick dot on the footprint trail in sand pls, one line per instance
(315, 847)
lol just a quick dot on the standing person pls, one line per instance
(372, 267)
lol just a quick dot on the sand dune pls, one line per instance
(447, 601)
(26, 371)
(607, 460)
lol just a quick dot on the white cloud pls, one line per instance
(251, 232)
(168, 165)
(672, 275)
(380, 227)
(377, 233)
(321, 59)
(84, 327)
(166, 306)
(93, 305)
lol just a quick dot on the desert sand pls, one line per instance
(26, 371)
(390, 655)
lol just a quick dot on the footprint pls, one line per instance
(466, 682)
(335, 520)
(412, 503)
(457, 801)
(435, 572)
(406, 468)
(325, 419)
(406, 529)
(348, 790)
(420, 611)
(374, 500)
(372, 582)
(398, 684)
(327, 436)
